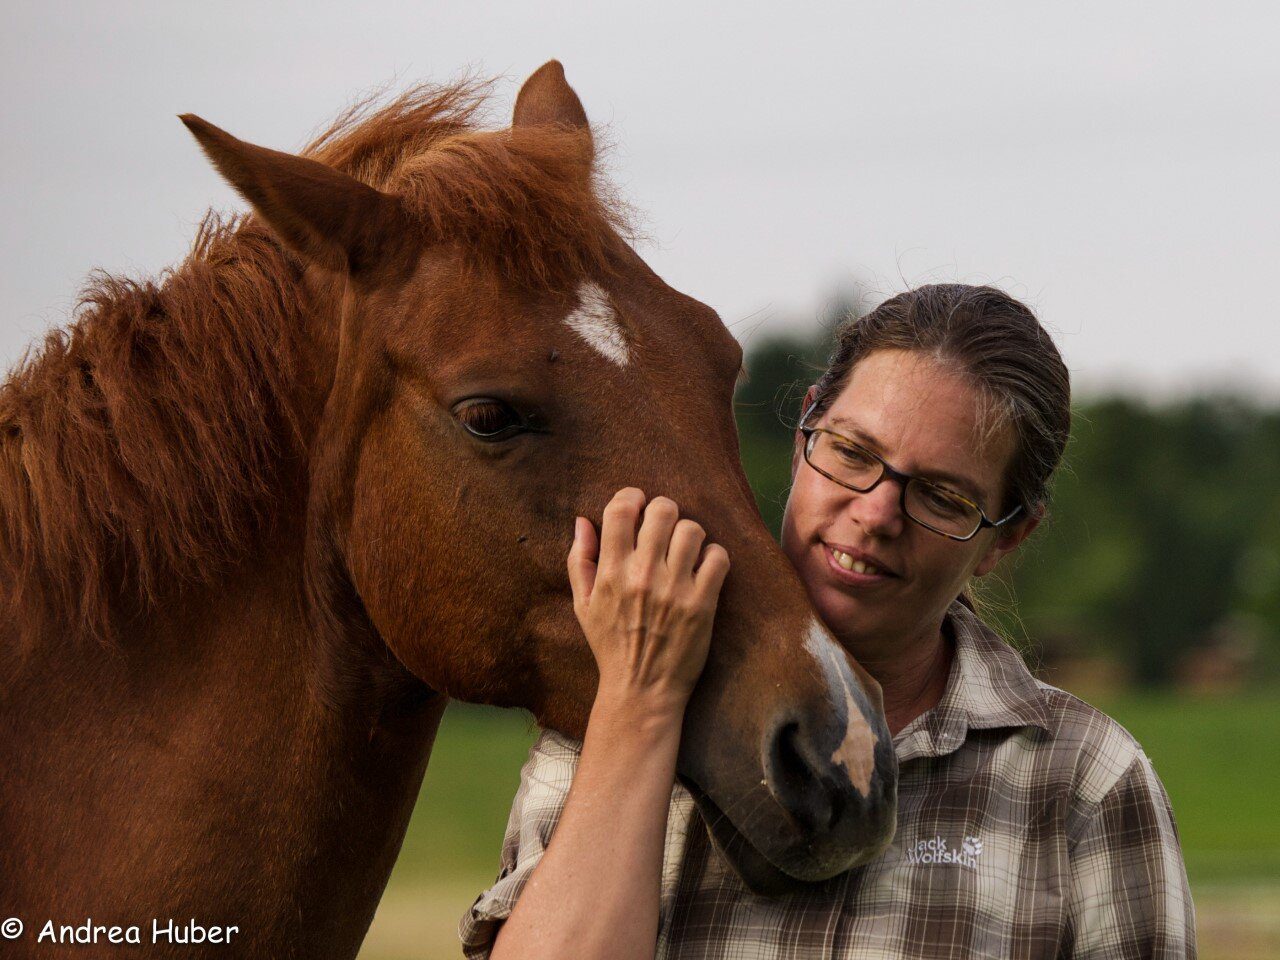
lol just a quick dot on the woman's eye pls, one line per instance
(489, 419)
(853, 455)
(943, 502)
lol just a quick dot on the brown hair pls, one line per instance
(997, 342)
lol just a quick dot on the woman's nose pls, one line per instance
(879, 510)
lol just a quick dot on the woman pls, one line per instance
(1029, 824)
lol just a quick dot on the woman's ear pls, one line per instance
(809, 396)
(1008, 539)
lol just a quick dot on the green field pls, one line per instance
(1218, 758)
(1220, 762)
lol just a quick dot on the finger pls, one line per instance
(618, 527)
(660, 518)
(686, 544)
(712, 570)
(582, 561)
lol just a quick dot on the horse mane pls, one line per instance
(142, 447)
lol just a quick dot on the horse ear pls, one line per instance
(546, 99)
(319, 212)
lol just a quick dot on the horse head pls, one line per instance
(501, 361)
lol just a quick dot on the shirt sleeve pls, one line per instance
(1129, 895)
(545, 779)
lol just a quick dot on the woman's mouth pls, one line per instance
(855, 569)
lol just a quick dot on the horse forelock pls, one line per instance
(141, 446)
(529, 201)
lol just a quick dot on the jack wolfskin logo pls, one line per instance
(937, 852)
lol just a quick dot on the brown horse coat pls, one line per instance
(260, 518)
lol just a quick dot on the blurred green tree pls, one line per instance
(780, 368)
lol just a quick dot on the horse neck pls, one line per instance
(206, 778)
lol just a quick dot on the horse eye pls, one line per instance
(489, 419)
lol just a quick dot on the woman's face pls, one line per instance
(924, 419)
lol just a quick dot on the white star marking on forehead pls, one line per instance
(596, 322)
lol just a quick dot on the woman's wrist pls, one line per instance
(657, 714)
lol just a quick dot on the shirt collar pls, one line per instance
(989, 687)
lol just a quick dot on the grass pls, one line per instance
(1218, 758)
(457, 826)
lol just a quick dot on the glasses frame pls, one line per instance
(887, 470)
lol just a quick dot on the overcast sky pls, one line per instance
(1115, 164)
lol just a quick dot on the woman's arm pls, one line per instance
(646, 606)
(1129, 895)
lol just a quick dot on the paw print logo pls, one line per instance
(971, 846)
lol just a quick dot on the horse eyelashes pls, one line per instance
(489, 419)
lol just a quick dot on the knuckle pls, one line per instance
(688, 608)
(630, 495)
(617, 508)
(717, 556)
(690, 528)
(638, 582)
(628, 498)
(662, 507)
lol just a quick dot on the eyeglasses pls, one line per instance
(935, 508)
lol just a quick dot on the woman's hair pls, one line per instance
(996, 342)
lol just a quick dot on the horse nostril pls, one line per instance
(795, 777)
(788, 766)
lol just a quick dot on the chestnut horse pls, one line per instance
(260, 519)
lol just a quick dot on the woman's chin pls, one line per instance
(844, 609)
(848, 616)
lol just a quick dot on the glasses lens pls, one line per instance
(845, 461)
(941, 509)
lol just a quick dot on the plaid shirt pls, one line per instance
(1029, 825)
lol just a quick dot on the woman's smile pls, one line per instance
(857, 568)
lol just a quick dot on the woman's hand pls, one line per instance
(647, 602)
